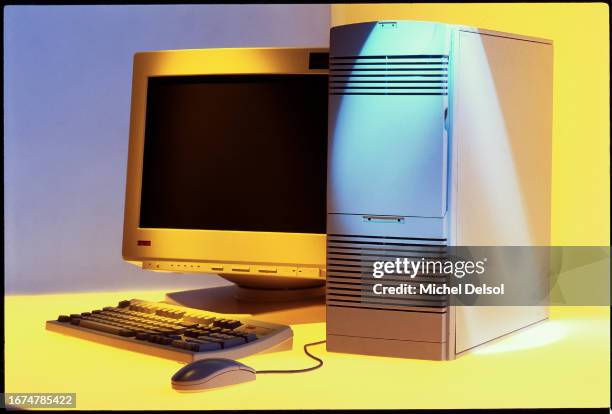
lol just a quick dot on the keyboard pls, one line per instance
(174, 332)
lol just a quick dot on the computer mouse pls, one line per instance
(210, 373)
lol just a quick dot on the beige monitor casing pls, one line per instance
(252, 259)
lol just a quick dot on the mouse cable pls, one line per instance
(296, 371)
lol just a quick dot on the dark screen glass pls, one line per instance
(241, 153)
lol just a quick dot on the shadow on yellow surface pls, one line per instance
(222, 299)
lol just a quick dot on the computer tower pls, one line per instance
(439, 135)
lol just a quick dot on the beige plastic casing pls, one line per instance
(287, 260)
(499, 191)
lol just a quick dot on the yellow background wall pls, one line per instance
(581, 140)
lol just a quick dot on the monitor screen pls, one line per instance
(235, 152)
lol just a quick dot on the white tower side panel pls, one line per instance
(501, 131)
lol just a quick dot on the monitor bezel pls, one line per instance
(185, 249)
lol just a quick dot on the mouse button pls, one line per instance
(202, 369)
(243, 367)
(229, 378)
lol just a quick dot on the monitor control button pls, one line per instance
(241, 268)
(308, 271)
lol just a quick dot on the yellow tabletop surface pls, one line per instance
(563, 362)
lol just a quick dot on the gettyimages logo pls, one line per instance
(412, 268)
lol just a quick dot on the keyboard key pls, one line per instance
(158, 339)
(226, 341)
(233, 324)
(201, 319)
(86, 323)
(164, 313)
(207, 338)
(145, 310)
(179, 344)
(142, 336)
(249, 337)
(235, 341)
(204, 346)
(63, 318)
(176, 314)
(124, 304)
(122, 311)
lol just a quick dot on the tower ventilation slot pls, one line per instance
(389, 75)
(350, 264)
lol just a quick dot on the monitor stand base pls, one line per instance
(248, 294)
(287, 306)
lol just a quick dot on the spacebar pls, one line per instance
(106, 328)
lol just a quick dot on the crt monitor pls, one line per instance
(227, 165)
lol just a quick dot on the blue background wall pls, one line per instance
(67, 80)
